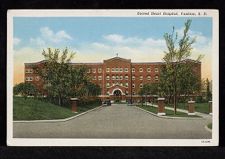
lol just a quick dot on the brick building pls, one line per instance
(119, 78)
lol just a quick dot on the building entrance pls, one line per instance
(117, 94)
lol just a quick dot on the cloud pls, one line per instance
(200, 38)
(134, 41)
(49, 37)
(38, 41)
(57, 37)
(114, 38)
(138, 49)
(16, 41)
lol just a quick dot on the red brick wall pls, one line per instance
(115, 62)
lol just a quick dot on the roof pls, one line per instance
(117, 58)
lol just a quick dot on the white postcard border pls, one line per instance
(112, 142)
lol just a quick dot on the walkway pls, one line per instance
(116, 121)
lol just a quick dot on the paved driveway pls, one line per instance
(116, 121)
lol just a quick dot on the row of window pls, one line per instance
(107, 70)
(29, 71)
(126, 92)
(121, 84)
(148, 69)
(37, 78)
(126, 78)
(120, 70)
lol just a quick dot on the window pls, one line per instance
(121, 69)
(133, 77)
(126, 70)
(148, 69)
(126, 84)
(141, 77)
(156, 69)
(133, 69)
(94, 70)
(89, 70)
(29, 71)
(121, 84)
(141, 85)
(140, 69)
(148, 78)
(94, 78)
(29, 78)
(126, 77)
(117, 78)
(113, 77)
(107, 85)
(107, 69)
(99, 77)
(121, 77)
(156, 78)
(113, 70)
(117, 69)
(99, 70)
(133, 85)
(107, 77)
(133, 93)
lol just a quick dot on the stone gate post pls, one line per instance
(161, 106)
(74, 104)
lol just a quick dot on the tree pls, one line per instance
(79, 81)
(25, 89)
(208, 91)
(93, 89)
(61, 79)
(178, 70)
(56, 73)
(149, 89)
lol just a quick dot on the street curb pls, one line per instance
(208, 129)
(56, 120)
(203, 115)
(167, 117)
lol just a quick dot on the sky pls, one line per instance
(94, 39)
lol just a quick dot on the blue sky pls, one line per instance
(97, 38)
(86, 29)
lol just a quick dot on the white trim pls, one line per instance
(74, 99)
(117, 89)
(191, 113)
(189, 102)
(161, 114)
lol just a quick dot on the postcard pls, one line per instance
(145, 77)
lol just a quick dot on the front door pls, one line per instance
(117, 96)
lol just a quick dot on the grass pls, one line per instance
(209, 126)
(33, 109)
(168, 112)
(199, 107)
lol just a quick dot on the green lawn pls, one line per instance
(32, 109)
(168, 112)
(210, 125)
(199, 107)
